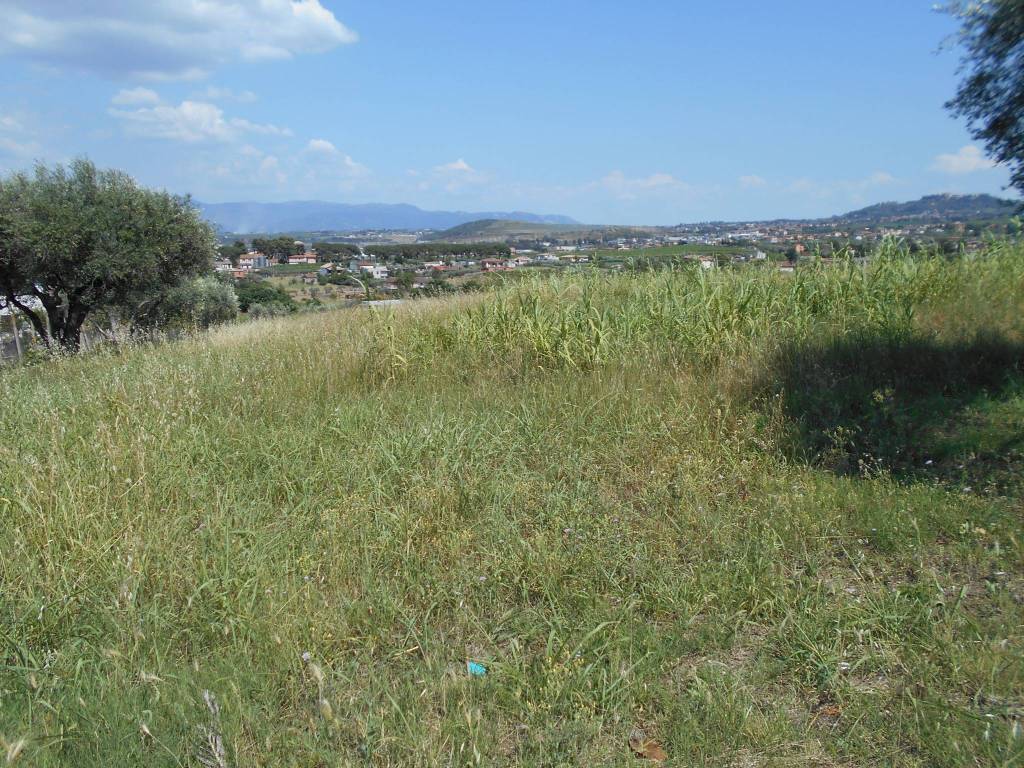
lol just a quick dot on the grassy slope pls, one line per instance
(697, 504)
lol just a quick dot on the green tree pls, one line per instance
(198, 303)
(232, 252)
(253, 292)
(206, 301)
(277, 248)
(438, 284)
(80, 240)
(405, 280)
(991, 96)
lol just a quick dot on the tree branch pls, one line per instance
(38, 324)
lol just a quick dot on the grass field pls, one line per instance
(664, 254)
(763, 519)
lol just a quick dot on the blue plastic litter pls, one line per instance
(476, 669)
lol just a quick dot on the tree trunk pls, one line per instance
(69, 330)
(40, 327)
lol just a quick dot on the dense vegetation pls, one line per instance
(429, 251)
(762, 518)
(260, 293)
(340, 251)
(411, 251)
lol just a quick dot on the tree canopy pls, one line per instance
(259, 292)
(277, 248)
(991, 96)
(232, 252)
(427, 251)
(80, 239)
(328, 251)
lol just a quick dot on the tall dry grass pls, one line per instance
(586, 483)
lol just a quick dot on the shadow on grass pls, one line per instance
(917, 409)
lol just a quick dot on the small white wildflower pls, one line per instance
(306, 656)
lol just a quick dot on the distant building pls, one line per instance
(494, 265)
(253, 260)
(376, 271)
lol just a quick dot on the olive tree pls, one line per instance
(78, 240)
(991, 95)
(198, 303)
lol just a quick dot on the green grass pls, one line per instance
(693, 503)
(664, 254)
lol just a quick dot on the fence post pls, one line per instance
(14, 327)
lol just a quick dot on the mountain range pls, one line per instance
(316, 215)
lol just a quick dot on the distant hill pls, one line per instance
(486, 230)
(935, 208)
(306, 215)
(493, 228)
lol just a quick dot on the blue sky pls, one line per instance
(652, 111)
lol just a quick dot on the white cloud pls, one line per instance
(245, 126)
(214, 93)
(458, 166)
(15, 138)
(752, 182)
(321, 146)
(968, 159)
(331, 162)
(134, 96)
(247, 165)
(165, 39)
(454, 177)
(190, 122)
(21, 149)
(626, 188)
(879, 179)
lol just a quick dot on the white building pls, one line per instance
(376, 271)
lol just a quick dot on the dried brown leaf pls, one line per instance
(645, 747)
